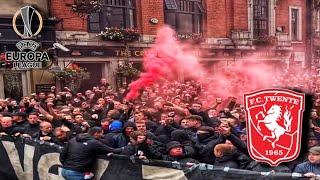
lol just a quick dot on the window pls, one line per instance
(114, 13)
(185, 16)
(260, 18)
(295, 26)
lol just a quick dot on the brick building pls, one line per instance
(233, 31)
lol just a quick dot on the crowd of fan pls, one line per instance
(168, 122)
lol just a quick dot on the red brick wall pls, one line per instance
(282, 14)
(70, 21)
(230, 16)
(226, 15)
(222, 16)
(148, 9)
(216, 18)
(240, 18)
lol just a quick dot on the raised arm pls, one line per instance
(44, 112)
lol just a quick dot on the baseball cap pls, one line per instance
(315, 150)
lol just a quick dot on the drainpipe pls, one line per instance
(309, 34)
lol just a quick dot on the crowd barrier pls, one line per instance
(26, 159)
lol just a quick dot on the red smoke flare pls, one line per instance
(168, 59)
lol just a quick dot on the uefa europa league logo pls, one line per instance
(27, 14)
(27, 57)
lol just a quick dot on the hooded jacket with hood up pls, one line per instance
(115, 128)
(81, 153)
(119, 140)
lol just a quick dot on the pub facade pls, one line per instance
(224, 32)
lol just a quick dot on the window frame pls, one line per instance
(114, 4)
(299, 24)
(196, 10)
(255, 18)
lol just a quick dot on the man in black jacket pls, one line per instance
(19, 119)
(178, 152)
(8, 128)
(81, 153)
(143, 147)
(33, 127)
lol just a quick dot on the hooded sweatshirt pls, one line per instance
(81, 153)
(118, 140)
(115, 129)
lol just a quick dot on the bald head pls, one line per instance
(46, 127)
(6, 122)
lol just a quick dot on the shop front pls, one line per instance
(103, 62)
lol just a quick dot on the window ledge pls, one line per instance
(297, 42)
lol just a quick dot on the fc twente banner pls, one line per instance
(26, 160)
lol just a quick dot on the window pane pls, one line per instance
(260, 18)
(117, 17)
(170, 19)
(114, 17)
(200, 7)
(171, 4)
(184, 23)
(197, 24)
(94, 27)
(188, 18)
(94, 17)
(131, 19)
(294, 24)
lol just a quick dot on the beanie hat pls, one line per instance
(311, 135)
(173, 144)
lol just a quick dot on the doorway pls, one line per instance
(95, 70)
(13, 87)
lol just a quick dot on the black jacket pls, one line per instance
(32, 129)
(205, 152)
(114, 139)
(164, 130)
(59, 142)
(81, 153)
(12, 130)
(22, 124)
(228, 161)
(187, 156)
(152, 151)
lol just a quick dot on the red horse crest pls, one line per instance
(274, 125)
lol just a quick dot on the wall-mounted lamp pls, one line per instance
(154, 20)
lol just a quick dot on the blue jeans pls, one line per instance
(72, 175)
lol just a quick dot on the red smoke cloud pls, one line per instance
(168, 58)
(165, 60)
